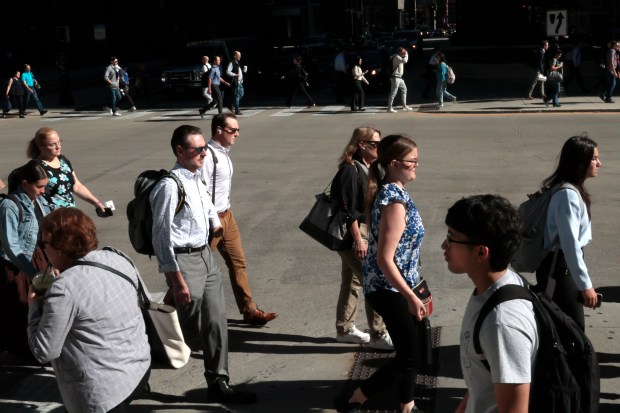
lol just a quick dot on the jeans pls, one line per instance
(229, 246)
(442, 91)
(237, 95)
(402, 326)
(36, 99)
(611, 85)
(553, 92)
(116, 97)
(396, 84)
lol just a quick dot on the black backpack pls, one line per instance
(566, 377)
(139, 212)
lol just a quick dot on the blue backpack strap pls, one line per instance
(503, 294)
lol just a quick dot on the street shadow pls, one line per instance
(610, 294)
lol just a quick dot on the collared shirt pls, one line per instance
(28, 77)
(190, 226)
(215, 75)
(92, 331)
(229, 70)
(223, 175)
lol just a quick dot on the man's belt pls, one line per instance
(188, 250)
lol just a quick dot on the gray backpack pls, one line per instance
(533, 214)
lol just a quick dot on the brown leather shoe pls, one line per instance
(259, 317)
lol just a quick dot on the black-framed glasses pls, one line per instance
(372, 144)
(449, 240)
(197, 149)
(410, 162)
(231, 130)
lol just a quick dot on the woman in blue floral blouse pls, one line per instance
(391, 269)
(63, 182)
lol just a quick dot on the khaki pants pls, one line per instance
(229, 246)
(350, 290)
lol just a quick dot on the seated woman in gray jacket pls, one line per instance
(88, 324)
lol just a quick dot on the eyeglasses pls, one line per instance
(54, 144)
(449, 240)
(414, 162)
(41, 244)
(197, 149)
(231, 130)
(372, 144)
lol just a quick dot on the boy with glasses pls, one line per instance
(483, 234)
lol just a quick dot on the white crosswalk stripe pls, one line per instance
(168, 115)
(288, 112)
(327, 110)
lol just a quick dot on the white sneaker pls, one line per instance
(391, 110)
(116, 114)
(107, 109)
(133, 109)
(382, 343)
(440, 105)
(407, 108)
(353, 336)
(454, 100)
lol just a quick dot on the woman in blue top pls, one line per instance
(19, 231)
(569, 228)
(391, 268)
(46, 147)
(442, 80)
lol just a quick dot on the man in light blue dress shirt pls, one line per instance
(180, 243)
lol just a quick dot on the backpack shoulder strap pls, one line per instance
(13, 198)
(503, 294)
(181, 191)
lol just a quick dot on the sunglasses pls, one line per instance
(197, 149)
(372, 144)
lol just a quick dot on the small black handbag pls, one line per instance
(327, 222)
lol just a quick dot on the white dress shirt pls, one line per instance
(223, 175)
(190, 226)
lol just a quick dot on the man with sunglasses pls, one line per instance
(218, 172)
(180, 242)
(483, 234)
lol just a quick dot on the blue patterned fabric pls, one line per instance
(407, 255)
(59, 190)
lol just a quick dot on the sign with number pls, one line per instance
(557, 22)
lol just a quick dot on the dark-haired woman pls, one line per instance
(391, 269)
(89, 326)
(19, 230)
(357, 100)
(569, 228)
(16, 94)
(46, 146)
